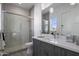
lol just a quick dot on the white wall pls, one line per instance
(36, 22)
(32, 20)
(70, 20)
(0, 17)
(37, 19)
(67, 14)
(45, 5)
(0, 27)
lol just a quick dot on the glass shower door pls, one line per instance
(16, 29)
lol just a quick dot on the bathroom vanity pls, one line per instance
(54, 47)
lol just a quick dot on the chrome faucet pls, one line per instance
(54, 34)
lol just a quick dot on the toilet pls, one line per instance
(29, 51)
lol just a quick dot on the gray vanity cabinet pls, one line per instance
(41, 48)
(47, 48)
(71, 53)
(59, 51)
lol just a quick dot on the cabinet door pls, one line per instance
(59, 51)
(50, 49)
(43, 51)
(63, 52)
(35, 47)
(47, 49)
(43, 48)
(71, 53)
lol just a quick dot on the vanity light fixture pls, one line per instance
(72, 3)
(51, 10)
(19, 3)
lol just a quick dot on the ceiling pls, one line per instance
(25, 5)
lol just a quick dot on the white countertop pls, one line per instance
(61, 42)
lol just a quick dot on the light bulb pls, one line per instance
(51, 10)
(72, 3)
(19, 3)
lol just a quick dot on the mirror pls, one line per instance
(53, 23)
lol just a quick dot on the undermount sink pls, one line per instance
(45, 38)
(40, 36)
(55, 42)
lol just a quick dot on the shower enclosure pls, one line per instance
(16, 30)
